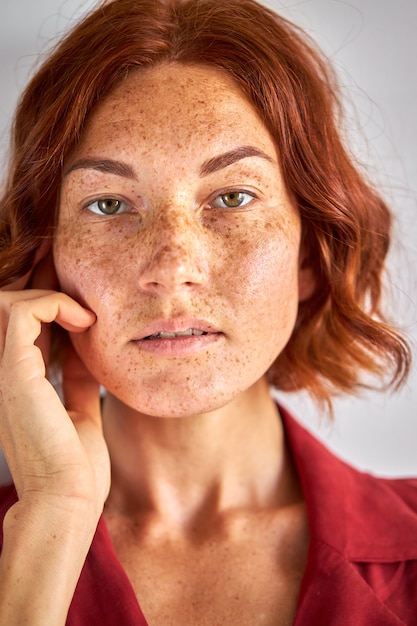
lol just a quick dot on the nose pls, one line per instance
(176, 256)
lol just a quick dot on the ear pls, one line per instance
(27, 280)
(307, 280)
(44, 274)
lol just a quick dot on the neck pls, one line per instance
(179, 468)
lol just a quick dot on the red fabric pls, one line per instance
(362, 563)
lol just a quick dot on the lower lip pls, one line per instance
(178, 346)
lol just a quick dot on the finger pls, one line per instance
(44, 277)
(8, 297)
(7, 300)
(54, 307)
(27, 315)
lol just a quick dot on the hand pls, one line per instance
(54, 453)
(57, 454)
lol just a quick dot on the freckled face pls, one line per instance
(174, 219)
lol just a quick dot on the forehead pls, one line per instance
(178, 104)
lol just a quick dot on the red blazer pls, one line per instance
(362, 561)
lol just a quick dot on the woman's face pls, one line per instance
(174, 220)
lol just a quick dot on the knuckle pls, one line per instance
(18, 307)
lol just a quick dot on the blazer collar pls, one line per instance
(365, 518)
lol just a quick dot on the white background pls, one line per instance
(373, 45)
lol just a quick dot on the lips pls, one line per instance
(178, 338)
(183, 333)
(177, 328)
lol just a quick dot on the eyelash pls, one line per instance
(234, 192)
(234, 195)
(109, 200)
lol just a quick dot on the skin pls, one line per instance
(199, 465)
(174, 252)
(177, 254)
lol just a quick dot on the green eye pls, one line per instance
(233, 200)
(107, 206)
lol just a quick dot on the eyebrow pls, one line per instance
(107, 166)
(232, 156)
(119, 168)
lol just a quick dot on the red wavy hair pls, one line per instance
(340, 332)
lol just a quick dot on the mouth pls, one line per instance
(189, 332)
(178, 337)
(177, 328)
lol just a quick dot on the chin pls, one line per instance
(180, 403)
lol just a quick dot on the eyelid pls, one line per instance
(234, 190)
(103, 197)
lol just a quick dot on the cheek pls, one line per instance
(262, 302)
(274, 297)
(269, 269)
(254, 270)
(85, 271)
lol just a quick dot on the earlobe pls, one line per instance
(43, 259)
(43, 250)
(307, 280)
(44, 274)
(306, 284)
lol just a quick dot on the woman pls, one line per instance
(181, 207)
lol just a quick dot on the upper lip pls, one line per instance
(176, 325)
